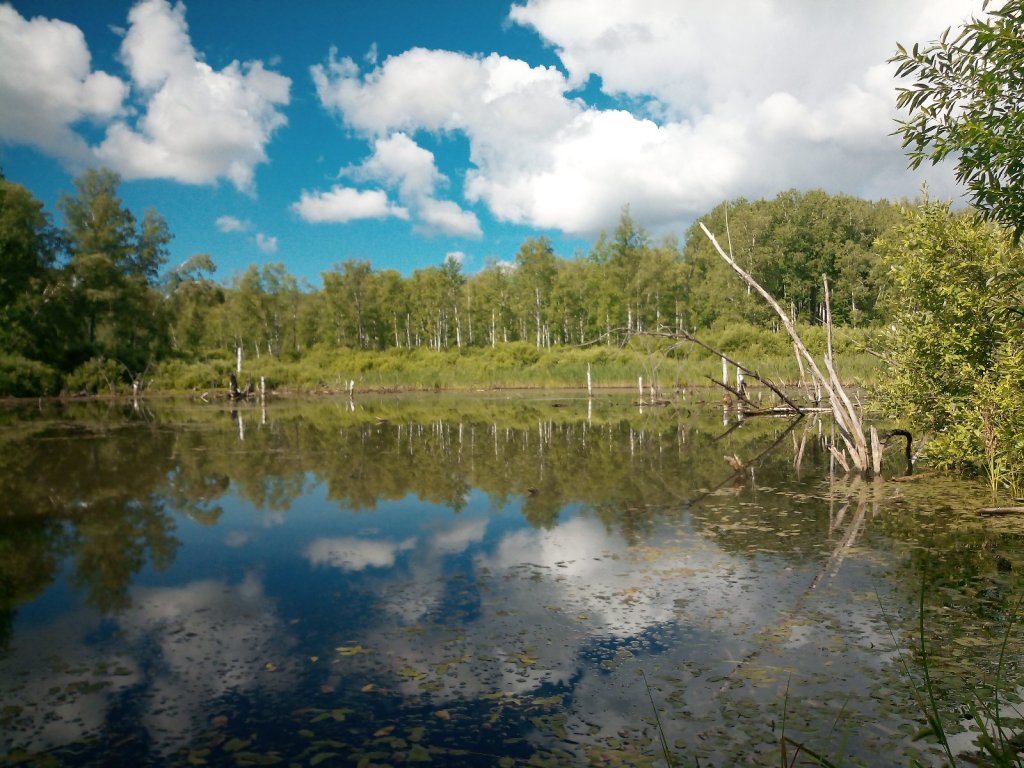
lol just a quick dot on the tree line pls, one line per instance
(95, 299)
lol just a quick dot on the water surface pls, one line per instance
(496, 580)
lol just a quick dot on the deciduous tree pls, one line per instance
(966, 102)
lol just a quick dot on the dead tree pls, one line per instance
(234, 393)
(866, 457)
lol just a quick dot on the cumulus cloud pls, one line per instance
(203, 640)
(186, 121)
(47, 85)
(459, 536)
(199, 124)
(399, 163)
(447, 217)
(266, 243)
(343, 204)
(807, 102)
(232, 224)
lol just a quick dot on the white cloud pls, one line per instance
(447, 217)
(47, 86)
(232, 224)
(716, 101)
(353, 554)
(192, 123)
(202, 641)
(343, 204)
(266, 243)
(463, 533)
(400, 163)
(457, 256)
(199, 124)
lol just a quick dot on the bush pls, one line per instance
(99, 374)
(21, 377)
(179, 375)
(956, 344)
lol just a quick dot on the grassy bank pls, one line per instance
(521, 365)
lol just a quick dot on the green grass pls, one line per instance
(660, 362)
(664, 363)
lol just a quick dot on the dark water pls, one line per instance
(498, 580)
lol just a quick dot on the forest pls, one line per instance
(93, 305)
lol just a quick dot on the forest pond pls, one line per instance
(499, 580)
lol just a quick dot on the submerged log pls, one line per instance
(1000, 511)
(914, 478)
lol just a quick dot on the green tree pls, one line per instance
(191, 296)
(966, 101)
(492, 313)
(787, 243)
(390, 308)
(571, 306)
(536, 266)
(957, 342)
(264, 310)
(112, 263)
(347, 289)
(28, 248)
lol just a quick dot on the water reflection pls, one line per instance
(469, 581)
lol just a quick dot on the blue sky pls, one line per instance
(402, 131)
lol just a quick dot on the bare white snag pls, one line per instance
(845, 414)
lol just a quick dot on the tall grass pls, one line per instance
(522, 365)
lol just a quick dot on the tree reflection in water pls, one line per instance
(463, 579)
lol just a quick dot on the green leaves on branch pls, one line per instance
(966, 100)
(956, 343)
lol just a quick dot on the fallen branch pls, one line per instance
(998, 511)
(685, 336)
(915, 478)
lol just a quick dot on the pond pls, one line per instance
(506, 579)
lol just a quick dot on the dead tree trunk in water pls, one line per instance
(234, 393)
(845, 414)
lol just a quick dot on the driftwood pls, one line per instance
(914, 478)
(682, 335)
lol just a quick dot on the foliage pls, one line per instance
(966, 102)
(192, 298)
(107, 280)
(956, 344)
(21, 377)
(183, 375)
(95, 376)
(28, 246)
(787, 244)
(97, 289)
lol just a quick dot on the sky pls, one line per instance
(405, 132)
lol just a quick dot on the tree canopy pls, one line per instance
(966, 101)
(96, 303)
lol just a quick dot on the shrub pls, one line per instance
(179, 375)
(98, 374)
(21, 377)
